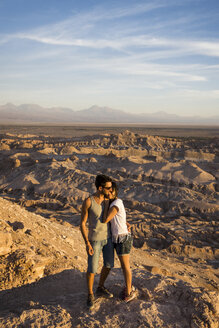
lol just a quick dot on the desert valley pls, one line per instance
(168, 180)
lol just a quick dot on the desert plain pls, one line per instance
(168, 180)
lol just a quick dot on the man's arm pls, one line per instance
(84, 216)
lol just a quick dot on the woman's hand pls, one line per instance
(128, 226)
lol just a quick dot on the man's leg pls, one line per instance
(91, 270)
(103, 275)
(101, 290)
(108, 261)
(108, 258)
(90, 282)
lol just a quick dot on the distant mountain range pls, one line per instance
(29, 113)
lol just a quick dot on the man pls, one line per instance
(97, 238)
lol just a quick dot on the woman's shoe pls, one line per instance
(131, 296)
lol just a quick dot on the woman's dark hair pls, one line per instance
(101, 180)
(115, 187)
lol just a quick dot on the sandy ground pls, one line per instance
(170, 189)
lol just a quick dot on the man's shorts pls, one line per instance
(107, 247)
(124, 248)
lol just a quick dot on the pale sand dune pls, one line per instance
(170, 190)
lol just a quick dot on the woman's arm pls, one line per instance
(111, 213)
(106, 208)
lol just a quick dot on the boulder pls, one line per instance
(5, 243)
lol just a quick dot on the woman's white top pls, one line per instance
(118, 223)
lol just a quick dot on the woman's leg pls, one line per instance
(124, 260)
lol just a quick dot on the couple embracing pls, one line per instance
(99, 209)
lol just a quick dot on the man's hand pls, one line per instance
(89, 249)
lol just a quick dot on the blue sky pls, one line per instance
(137, 56)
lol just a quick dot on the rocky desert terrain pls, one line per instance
(169, 185)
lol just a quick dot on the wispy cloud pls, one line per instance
(82, 30)
(183, 47)
(141, 45)
(137, 8)
(200, 94)
(205, 48)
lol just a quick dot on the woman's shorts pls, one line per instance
(124, 248)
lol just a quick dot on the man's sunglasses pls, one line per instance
(108, 188)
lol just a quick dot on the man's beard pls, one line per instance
(105, 195)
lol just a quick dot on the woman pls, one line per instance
(115, 214)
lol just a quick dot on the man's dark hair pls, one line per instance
(101, 180)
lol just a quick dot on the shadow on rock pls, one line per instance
(65, 288)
